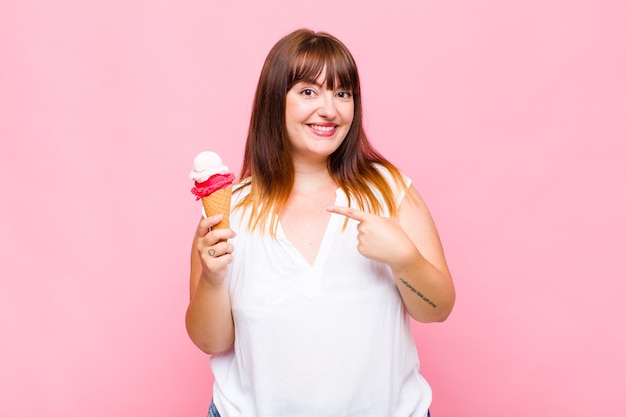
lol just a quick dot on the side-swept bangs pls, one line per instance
(324, 54)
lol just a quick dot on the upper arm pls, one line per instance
(195, 269)
(415, 219)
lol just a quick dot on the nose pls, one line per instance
(327, 107)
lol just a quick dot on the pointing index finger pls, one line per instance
(350, 212)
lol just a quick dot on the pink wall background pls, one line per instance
(510, 117)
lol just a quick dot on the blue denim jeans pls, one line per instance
(213, 411)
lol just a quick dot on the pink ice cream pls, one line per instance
(209, 174)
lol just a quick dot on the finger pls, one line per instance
(213, 237)
(207, 223)
(222, 235)
(213, 265)
(350, 212)
(220, 249)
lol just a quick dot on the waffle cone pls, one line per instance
(219, 203)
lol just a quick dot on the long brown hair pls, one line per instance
(268, 165)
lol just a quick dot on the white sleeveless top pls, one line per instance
(327, 340)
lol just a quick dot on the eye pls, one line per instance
(308, 92)
(344, 94)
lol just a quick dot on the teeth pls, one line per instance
(323, 128)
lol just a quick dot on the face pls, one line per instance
(317, 120)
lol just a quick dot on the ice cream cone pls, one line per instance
(219, 203)
(214, 185)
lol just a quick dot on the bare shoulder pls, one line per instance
(413, 207)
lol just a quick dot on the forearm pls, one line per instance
(209, 318)
(410, 246)
(427, 292)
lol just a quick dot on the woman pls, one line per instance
(304, 302)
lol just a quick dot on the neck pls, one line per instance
(311, 177)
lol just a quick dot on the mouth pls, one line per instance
(323, 129)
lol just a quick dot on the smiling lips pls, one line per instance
(323, 129)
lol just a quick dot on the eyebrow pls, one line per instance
(318, 85)
(315, 83)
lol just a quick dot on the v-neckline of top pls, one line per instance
(333, 224)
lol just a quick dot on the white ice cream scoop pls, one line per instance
(207, 164)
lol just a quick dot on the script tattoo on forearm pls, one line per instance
(419, 294)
